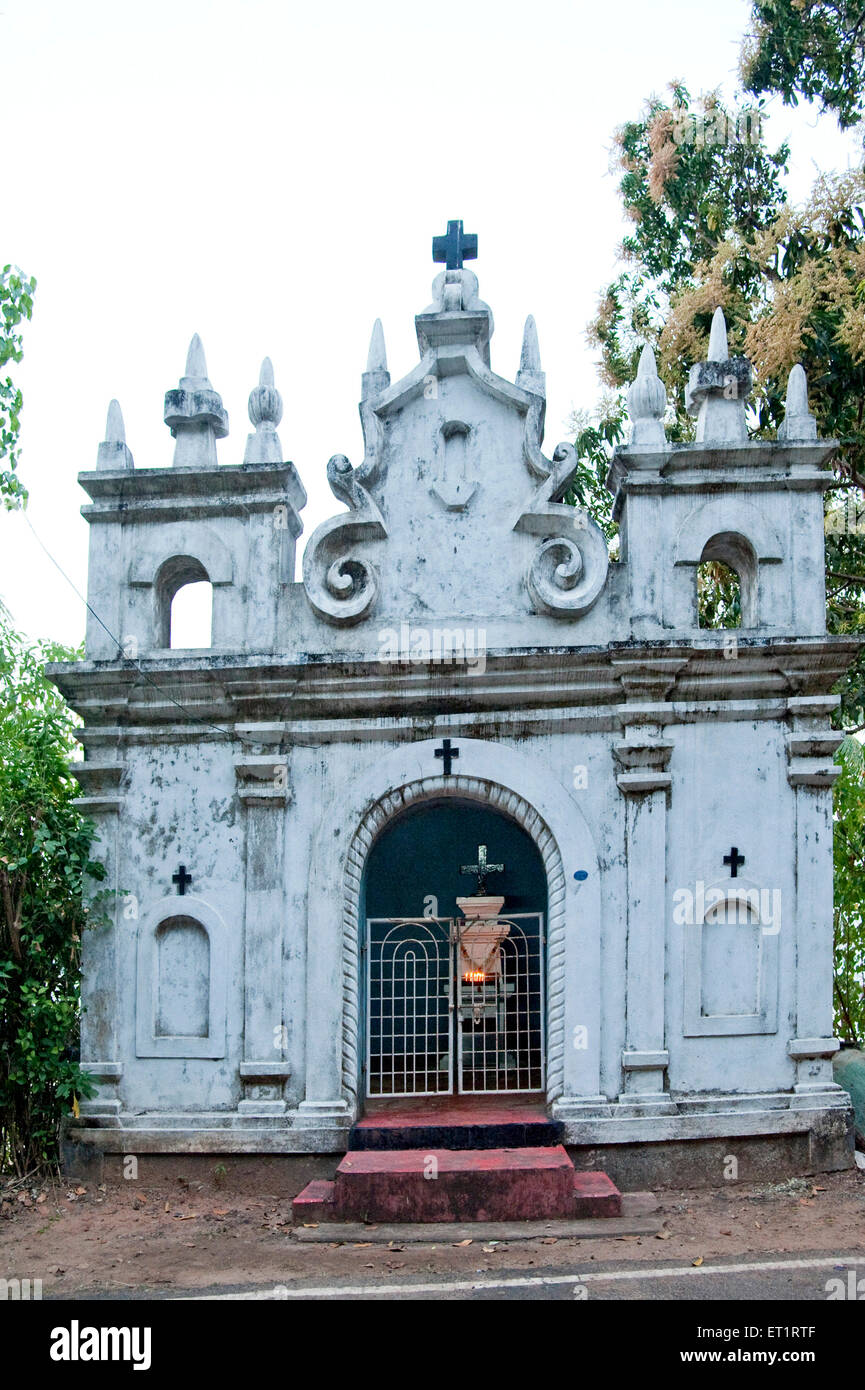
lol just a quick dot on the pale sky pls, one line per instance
(270, 174)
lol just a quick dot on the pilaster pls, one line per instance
(102, 785)
(811, 744)
(643, 757)
(262, 787)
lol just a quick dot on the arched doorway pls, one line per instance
(453, 993)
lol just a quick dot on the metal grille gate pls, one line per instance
(450, 1009)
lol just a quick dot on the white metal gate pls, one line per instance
(454, 1003)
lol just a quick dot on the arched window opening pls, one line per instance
(184, 599)
(719, 595)
(727, 583)
(192, 616)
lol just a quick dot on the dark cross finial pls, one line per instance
(181, 878)
(734, 859)
(446, 753)
(482, 868)
(455, 246)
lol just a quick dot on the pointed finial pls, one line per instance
(530, 375)
(196, 367)
(195, 414)
(647, 404)
(718, 390)
(718, 350)
(377, 359)
(112, 452)
(376, 378)
(798, 423)
(530, 356)
(265, 412)
(115, 432)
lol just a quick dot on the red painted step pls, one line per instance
(456, 1122)
(419, 1185)
(596, 1195)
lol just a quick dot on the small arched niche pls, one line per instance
(731, 961)
(182, 979)
(184, 604)
(727, 582)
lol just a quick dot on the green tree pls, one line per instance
(16, 305)
(45, 863)
(849, 897)
(808, 48)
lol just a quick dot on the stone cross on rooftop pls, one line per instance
(455, 246)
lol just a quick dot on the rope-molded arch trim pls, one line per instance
(510, 804)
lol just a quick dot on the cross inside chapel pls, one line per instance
(455, 246)
(482, 868)
(181, 878)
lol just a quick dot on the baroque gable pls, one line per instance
(454, 512)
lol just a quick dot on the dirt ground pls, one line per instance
(201, 1234)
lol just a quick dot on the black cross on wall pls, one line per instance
(455, 246)
(446, 753)
(181, 878)
(734, 859)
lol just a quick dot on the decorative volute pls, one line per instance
(718, 390)
(798, 423)
(112, 452)
(265, 412)
(194, 413)
(647, 404)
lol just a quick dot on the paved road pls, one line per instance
(799, 1279)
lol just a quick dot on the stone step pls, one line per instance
(483, 1130)
(423, 1185)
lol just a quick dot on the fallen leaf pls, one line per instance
(462, 1242)
(43, 1197)
(307, 1225)
(663, 1235)
(167, 1206)
(362, 1244)
(698, 1261)
(489, 1249)
(550, 1240)
(81, 1191)
(216, 1212)
(726, 1233)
